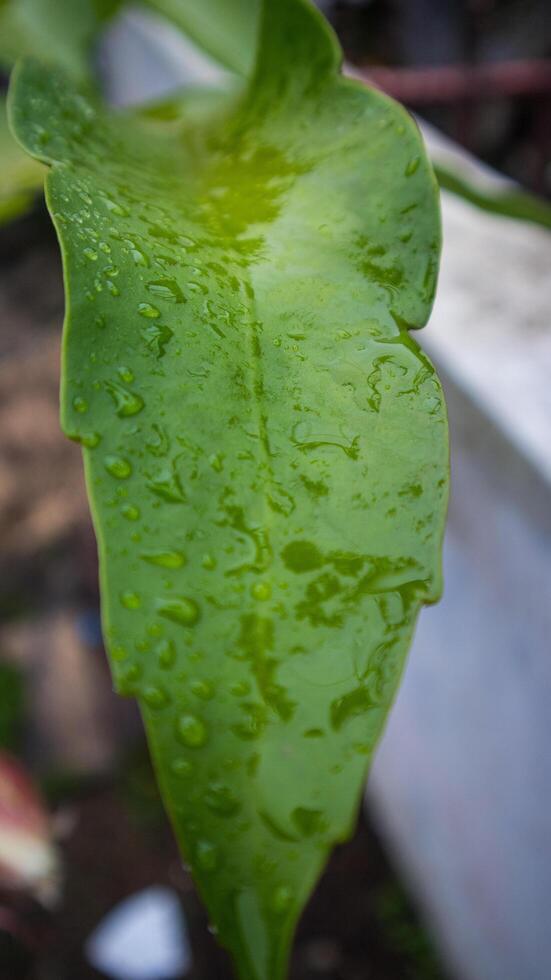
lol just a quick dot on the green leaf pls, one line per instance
(63, 32)
(20, 176)
(512, 202)
(59, 31)
(265, 444)
(226, 29)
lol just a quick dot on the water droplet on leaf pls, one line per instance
(80, 405)
(206, 855)
(127, 403)
(412, 166)
(181, 768)
(180, 610)
(191, 731)
(261, 591)
(222, 800)
(166, 654)
(167, 289)
(165, 559)
(90, 439)
(155, 697)
(130, 600)
(281, 899)
(151, 312)
(156, 337)
(118, 467)
(202, 689)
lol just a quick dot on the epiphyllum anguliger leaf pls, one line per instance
(265, 444)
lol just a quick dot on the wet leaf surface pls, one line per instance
(265, 444)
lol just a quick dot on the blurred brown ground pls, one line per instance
(47, 553)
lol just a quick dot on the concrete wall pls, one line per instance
(462, 781)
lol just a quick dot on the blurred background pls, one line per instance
(475, 68)
(449, 874)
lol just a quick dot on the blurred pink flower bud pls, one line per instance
(29, 861)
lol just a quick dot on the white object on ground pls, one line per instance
(461, 783)
(142, 938)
